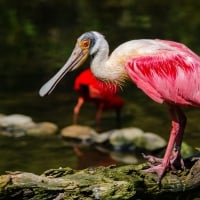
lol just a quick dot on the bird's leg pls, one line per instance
(77, 109)
(172, 155)
(176, 160)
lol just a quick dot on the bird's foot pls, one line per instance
(155, 166)
(176, 161)
(152, 160)
(160, 166)
(158, 169)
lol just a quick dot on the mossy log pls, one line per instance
(102, 183)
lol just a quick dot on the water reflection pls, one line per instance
(33, 154)
(37, 154)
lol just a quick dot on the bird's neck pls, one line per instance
(106, 69)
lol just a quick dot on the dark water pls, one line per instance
(36, 154)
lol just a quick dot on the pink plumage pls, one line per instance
(168, 72)
(170, 75)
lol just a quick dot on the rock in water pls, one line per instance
(16, 120)
(84, 134)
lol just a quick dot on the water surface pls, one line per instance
(36, 154)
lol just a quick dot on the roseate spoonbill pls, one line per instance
(103, 95)
(167, 71)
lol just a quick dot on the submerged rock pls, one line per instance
(130, 158)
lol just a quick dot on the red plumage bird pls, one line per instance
(168, 72)
(103, 95)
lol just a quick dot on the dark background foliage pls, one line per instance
(37, 36)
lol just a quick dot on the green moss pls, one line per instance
(4, 180)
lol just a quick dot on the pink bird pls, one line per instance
(166, 71)
(103, 95)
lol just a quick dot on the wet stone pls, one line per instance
(83, 133)
(17, 125)
(133, 137)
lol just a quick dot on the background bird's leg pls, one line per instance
(77, 109)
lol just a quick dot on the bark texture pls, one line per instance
(102, 183)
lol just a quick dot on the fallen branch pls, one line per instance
(125, 182)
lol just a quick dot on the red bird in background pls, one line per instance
(102, 94)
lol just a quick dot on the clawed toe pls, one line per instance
(160, 166)
(158, 169)
(155, 166)
(152, 159)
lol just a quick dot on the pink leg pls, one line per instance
(172, 157)
(77, 109)
(176, 160)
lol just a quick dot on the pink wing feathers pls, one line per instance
(170, 75)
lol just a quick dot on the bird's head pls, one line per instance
(87, 44)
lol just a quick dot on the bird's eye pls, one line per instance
(85, 43)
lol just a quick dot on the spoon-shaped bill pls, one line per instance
(77, 57)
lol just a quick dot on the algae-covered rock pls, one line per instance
(187, 151)
(128, 182)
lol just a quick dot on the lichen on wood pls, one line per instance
(102, 183)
